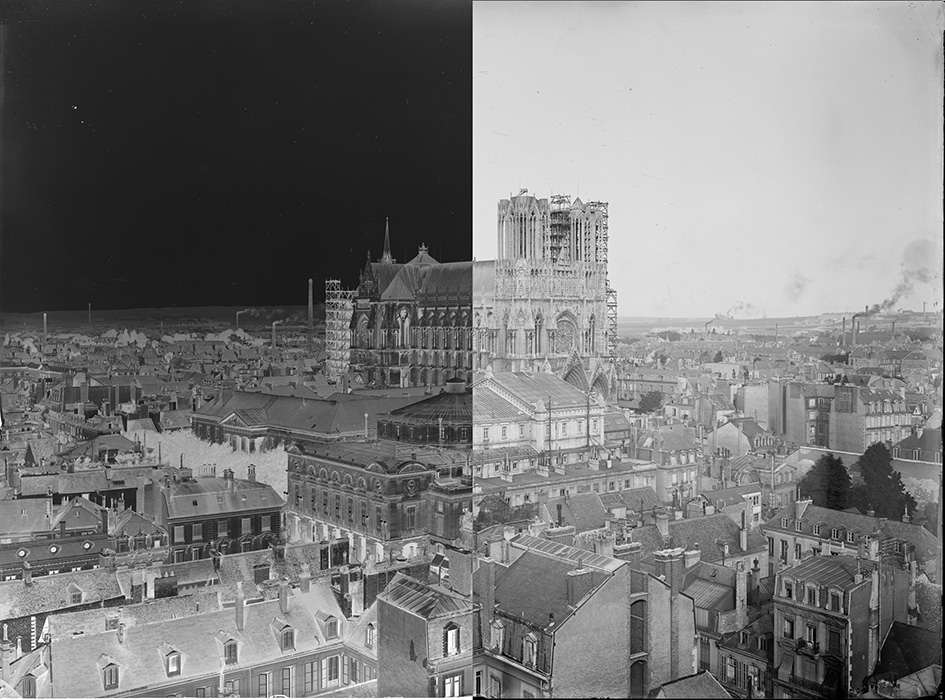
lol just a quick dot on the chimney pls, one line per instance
(104, 513)
(741, 596)
(662, 524)
(559, 521)
(311, 305)
(692, 557)
(6, 654)
(669, 565)
(905, 515)
(27, 573)
(240, 602)
(631, 552)
(580, 582)
(460, 571)
(251, 472)
(743, 539)
(305, 579)
(284, 596)
(121, 632)
(487, 594)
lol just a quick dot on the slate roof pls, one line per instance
(700, 533)
(425, 600)
(584, 511)
(23, 517)
(51, 593)
(925, 543)
(213, 495)
(199, 640)
(535, 586)
(699, 685)
(929, 441)
(907, 649)
(722, 498)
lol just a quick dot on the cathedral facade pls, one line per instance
(542, 305)
(410, 323)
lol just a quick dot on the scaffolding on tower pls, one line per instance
(611, 293)
(559, 229)
(338, 306)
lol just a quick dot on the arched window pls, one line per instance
(638, 679)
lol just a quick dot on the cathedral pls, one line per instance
(409, 323)
(545, 303)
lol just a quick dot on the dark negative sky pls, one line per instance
(161, 154)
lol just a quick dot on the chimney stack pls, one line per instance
(741, 596)
(121, 632)
(662, 524)
(251, 472)
(669, 564)
(284, 596)
(631, 552)
(240, 602)
(311, 305)
(6, 654)
(460, 570)
(27, 573)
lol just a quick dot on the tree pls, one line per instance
(651, 401)
(882, 490)
(827, 484)
(718, 356)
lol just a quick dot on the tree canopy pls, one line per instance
(828, 484)
(651, 401)
(882, 489)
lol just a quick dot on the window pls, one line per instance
(485, 434)
(788, 589)
(783, 522)
(833, 641)
(369, 636)
(288, 639)
(330, 671)
(495, 686)
(246, 527)
(200, 693)
(266, 522)
(308, 677)
(450, 640)
(263, 685)
(230, 654)
(287, 681)
(743, 638)
(730, 669)
(851, 537)
(763, 643)
(411, 519)
(453, 686)
(835, 533)
(76, 597)
(788, 631)
(478, 683)
(498, 635)
(232, 687)
(504, 432)
(178, 534)
(223, 527)
(811, 595)
(355, 671)
(798, 525)
(110, 677)
(811, 635)
(816, 529)
(835, 602)
(797, 550)
(173, 664)
(529, 651)
(331, 629)
(28, 688)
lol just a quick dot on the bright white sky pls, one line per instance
(783, 156)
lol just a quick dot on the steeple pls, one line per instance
(387, 257)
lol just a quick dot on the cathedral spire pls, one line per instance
(387, 257)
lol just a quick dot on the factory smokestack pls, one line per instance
(311, 304)
(843, 333)
(90, 313)
(44, 328)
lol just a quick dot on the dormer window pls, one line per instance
(450, 640)
(835, 533)
(851, 537)
(231, 652)
(816, 529)
(743, 638)
(783, 522)
(498, 635)
(798, 525)
(530, 650)
(287, 639)
(369, 636)
(110, 677)
(788, 589)
(172, 660)
(75, 595)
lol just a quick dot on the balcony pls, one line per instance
(806, 683)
